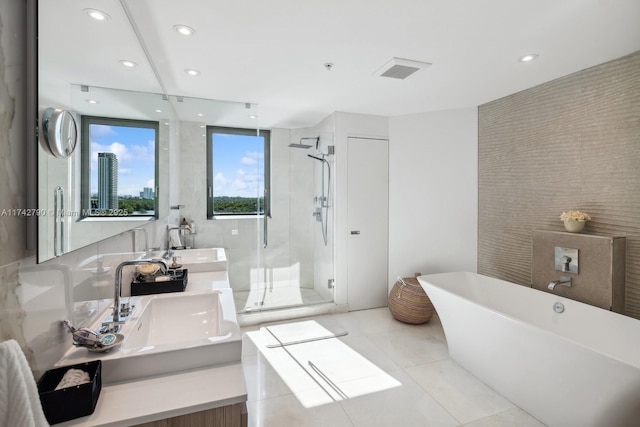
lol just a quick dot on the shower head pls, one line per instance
(303, 145)
(299, 146)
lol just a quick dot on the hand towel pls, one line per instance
(19, 399)
(174, 239)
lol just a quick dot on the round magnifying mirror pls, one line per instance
(60, 132)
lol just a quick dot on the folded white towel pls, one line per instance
(174, 238)
(19, 399)
(73, 377)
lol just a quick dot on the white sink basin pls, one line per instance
(200, 260)
(180, 319)
(170, 333)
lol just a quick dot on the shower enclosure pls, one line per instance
(294, 235)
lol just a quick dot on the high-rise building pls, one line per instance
(147, 193)
(107, 181)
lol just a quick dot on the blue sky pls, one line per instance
(238, 160)
(135, 150)
(238, 165)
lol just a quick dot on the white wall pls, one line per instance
(433, 193)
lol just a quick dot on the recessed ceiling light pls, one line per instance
(158, 110)
(128, 64)
(184, 30)
(200, 115)
(93, 101)
(253, 116)
(528, 58)
(98, 15)
(192, 72)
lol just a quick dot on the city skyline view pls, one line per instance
(134, 148)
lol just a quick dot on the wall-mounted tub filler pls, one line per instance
(564, 281)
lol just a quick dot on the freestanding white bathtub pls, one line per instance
(577, 368)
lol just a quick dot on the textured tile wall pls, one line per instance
(572, 143)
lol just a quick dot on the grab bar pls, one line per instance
(58, 221)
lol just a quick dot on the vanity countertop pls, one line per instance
(156, 398)
(164, 396)
(207, 281)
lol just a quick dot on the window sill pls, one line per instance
(227, 217)
(117, 218)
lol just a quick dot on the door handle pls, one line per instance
(355, 232)
(265, 209)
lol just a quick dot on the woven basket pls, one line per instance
(409, 303)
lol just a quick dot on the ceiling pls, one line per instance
(272, 52)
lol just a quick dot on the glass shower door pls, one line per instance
(295, 262)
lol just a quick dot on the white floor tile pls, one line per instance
(382, 373)
(286, 411)
(406, 405)
(513, 417)
(369, 321)
(368, 349)
(263, 382)
(464, 396)
(410, 346)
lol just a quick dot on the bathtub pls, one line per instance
(580, 367)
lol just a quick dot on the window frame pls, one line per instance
(210, 189)
(85, 166)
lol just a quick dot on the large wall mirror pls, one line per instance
(120, 174)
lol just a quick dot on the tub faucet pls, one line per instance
(121, 312)
(564, 281)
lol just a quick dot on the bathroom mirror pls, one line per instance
(99, 82)
(69, 222)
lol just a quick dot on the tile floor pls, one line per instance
(382, 373)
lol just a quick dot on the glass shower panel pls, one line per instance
(295, 268)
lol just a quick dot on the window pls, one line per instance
(119, 167)
(237, 173)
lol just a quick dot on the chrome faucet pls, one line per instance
(169, 252)
(564, 281)
(121, 312)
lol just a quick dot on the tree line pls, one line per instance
(237, 205)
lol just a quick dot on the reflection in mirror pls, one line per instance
(68, 224)
(87, 81)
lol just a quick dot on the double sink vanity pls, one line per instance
(181, 352)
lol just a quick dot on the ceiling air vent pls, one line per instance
(398, 68)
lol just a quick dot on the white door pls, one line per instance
(368, 221)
